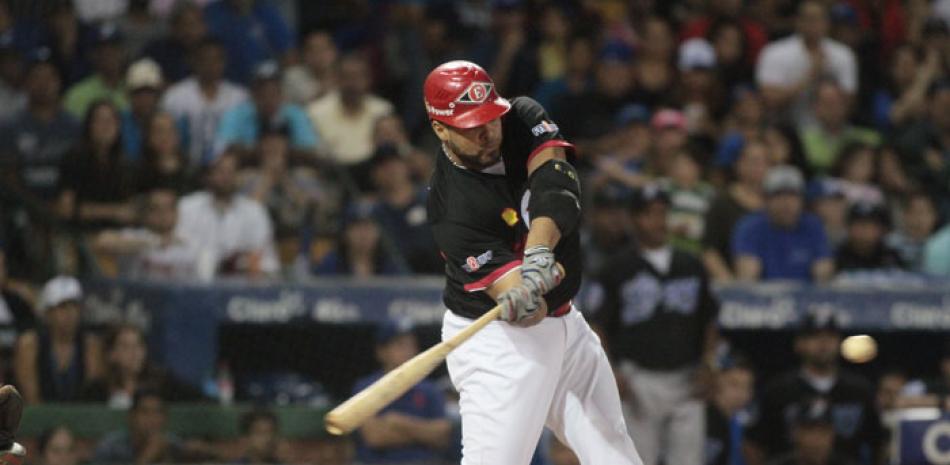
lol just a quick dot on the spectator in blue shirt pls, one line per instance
(252, 31)
(782, 242)
(414, 427)
(242, 125)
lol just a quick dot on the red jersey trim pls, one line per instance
(548, 144)
(490, 279)
(563, 309)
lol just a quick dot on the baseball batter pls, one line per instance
(504, 207)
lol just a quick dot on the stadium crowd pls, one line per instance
(287, 140)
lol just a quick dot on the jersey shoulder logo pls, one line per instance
(544, 127)
(472, 264)
(476, 93)
(510, 216)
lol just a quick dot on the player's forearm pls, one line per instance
(544, 231)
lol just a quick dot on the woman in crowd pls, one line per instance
(128, 370)
(95, 185)
(57, 446)
(164, 164)
(743, 195)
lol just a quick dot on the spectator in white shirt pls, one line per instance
(232, 233)
(345, 118)
(789, 69)
(201, 100)
(315, 75)
(154, 251)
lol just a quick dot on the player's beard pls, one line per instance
(474, 161)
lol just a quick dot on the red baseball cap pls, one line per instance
(462, 95)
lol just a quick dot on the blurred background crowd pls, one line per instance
(271, 140)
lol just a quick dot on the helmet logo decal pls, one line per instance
(476, 93)
(438, 112)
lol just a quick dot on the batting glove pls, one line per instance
(539, 271)
(518, 303)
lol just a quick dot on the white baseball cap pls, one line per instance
(144, 73)
(696, 54)
(59, 290)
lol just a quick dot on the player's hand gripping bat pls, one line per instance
(351, 414)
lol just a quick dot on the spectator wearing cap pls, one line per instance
(783, 241)
(690, 197)
(231, 232)
(849, 396)
(742, 196)
(201, 100)
(830, 131)
(96, 182)
(106, 81)
(292, 194)
(789, 69)
(412, 429)
(360, 251)
(813, 436)
(315, 76)
(53, 362)
(937, 253)
(624, 153)
(154, 251)
(670, 137)
(726, 417)
(401, 211)
(176, 53)
(918, 219)
(38, 137)
(827, 200)
(925, 146)
(664, 345)
(608, 227)
(230, 20)
(242, 125)
(588, 116)
(145, 84)
(699, 92)
(864, 247)
(344, 118)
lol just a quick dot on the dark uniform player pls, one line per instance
(859, 435)
(504, 207)
(659, 317)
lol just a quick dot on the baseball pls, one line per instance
(860, 348)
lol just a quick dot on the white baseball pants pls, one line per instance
(667, 422)
(514, 381)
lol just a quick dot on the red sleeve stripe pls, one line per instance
(549, 144)
(490, 279)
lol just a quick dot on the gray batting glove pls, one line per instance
(539, 270)
(518, 303)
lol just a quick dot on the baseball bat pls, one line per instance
(349, 415)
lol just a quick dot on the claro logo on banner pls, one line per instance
(936, 443)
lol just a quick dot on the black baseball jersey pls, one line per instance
(479, 219)
(858, 430)
(657, 320)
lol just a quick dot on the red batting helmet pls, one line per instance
(461, 94)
